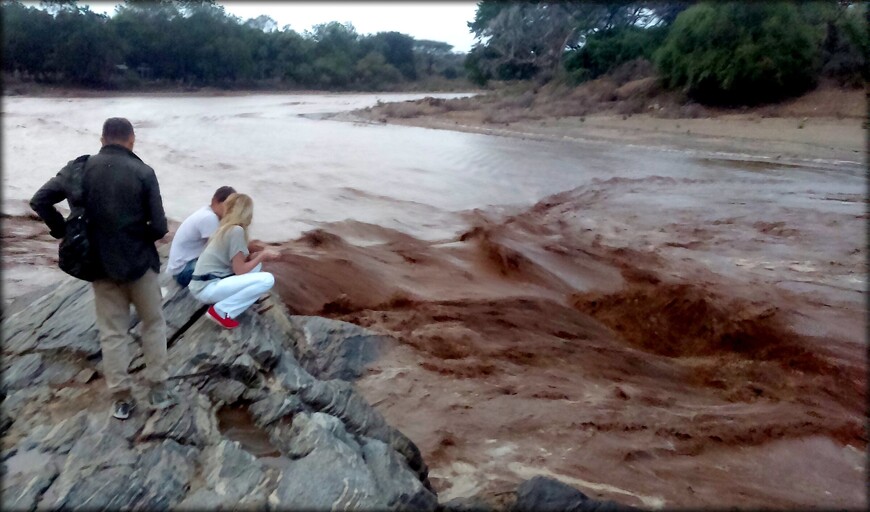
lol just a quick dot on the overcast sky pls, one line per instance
(439, 21)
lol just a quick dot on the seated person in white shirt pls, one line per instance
(192, 236)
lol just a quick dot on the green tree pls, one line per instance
(522, 39)
(428, 53)
(150, 38)
(28, 37)
(397, 49)
(606, 49)
(740, 52)
(53, 7)
(373, 72)
(195, 42)
(86, 50)
(335, 54)
(207, 45)
(841, 29)
(528, 39)
(293, 62)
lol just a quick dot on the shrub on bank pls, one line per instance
(846, 45)
(608, 49)
(740, 52)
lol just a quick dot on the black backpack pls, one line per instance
(75, 256)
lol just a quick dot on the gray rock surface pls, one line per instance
(550, 495)
(473, 504)
(63, 450)
(274, 407)
(235, 478)
(398, 488)
(61, 438)
(26, 476)
(328, 469)
(190, 423)
(61, 319)
(336, 350)
(20, 372)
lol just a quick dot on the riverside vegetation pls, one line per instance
(724, 53)
(196, 44)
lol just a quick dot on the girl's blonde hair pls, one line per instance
(239, 212)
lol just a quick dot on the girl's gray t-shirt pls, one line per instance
(217, 256)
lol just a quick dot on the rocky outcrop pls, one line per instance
(63, 450)
(337, 350)
(550, 495)
(291, 374)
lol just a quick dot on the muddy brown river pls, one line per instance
(663, 328)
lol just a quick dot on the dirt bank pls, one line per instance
(826, 124)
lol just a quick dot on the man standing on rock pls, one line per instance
(126, 218)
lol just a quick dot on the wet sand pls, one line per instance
(661, 328)
(828, 142)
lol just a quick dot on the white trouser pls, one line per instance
(232, 295)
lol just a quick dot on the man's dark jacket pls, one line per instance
(124, 209)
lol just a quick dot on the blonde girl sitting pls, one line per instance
(227, 275)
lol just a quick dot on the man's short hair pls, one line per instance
(223, 193)
(117, 129)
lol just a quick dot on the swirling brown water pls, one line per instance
(654, 327)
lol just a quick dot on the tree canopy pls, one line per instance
(725, 52)
(529, 38)
(197, 43)
(750, 52)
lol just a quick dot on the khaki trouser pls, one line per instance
(112, 302)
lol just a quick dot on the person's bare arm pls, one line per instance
(243, 264)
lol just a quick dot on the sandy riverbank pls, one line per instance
(825, 126)
(824, 141)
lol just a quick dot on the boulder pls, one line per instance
(328, 470)
(550, 495)
(469, 504)
(337, 350)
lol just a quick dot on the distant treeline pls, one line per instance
(196, 43)
(718, 52)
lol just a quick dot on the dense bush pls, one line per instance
(845, 45)
(607, 49)
(373, 72)
(477, 73)
(397, 50)
(740, 52)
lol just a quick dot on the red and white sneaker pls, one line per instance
(223, 321)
